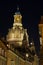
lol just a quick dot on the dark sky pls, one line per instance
(31, 12)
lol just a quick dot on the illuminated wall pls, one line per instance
(41, 28)
(41, 40)
(3, 50)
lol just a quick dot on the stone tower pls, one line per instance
(17, 33)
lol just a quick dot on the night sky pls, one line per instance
(31, 12)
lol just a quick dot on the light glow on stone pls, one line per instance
(27, 55)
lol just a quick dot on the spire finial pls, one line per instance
(17, 12)
(17, 8)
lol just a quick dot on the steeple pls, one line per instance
(17, 32)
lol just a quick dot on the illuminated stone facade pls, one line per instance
(41, 39)
(8, 57)
(17, 36)
(3, 53)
